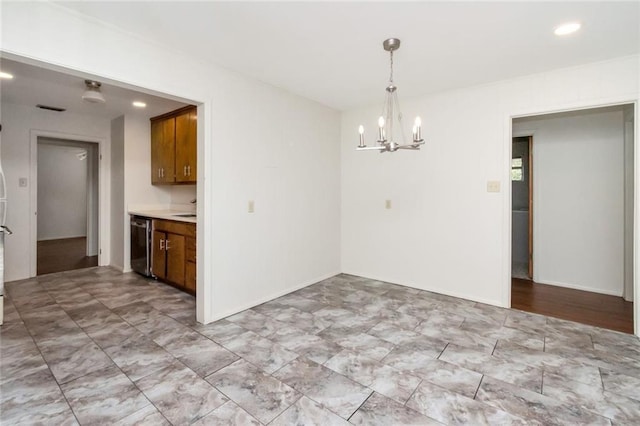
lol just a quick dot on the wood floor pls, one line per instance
(64, 255)
(611, 312)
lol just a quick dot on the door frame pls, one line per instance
(507, 225)
(34, 135)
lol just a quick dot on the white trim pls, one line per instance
(438, 290)
(632, 98)
(103, 195)
(579, 287)
(272, 296)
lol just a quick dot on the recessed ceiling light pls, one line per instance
(6, 75)
(139, 104)
(568, 28)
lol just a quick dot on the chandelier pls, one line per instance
(385, 122)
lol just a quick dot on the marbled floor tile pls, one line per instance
(261, 352)
(113, 331)
(459, 337)
(256, 322)
(208, 360)
(308, 412)
(259, 394)
(180, 395)
(451, 377)
(498, 332)
(334, 391)
(367, 345)
(556, 343)
(620, 409)
(70, 358)
(183, 341)
(113, 300)
(386, 380)
(389, 331)
(309, 345)
(139, 356)
(11, 314)
(621, 383)
(548, 362)
(513, 372)
(103, 396)
(229, 414)
(381, 411)
(137, 312)
(147, 416)
(301, 303)
(221, 331)
(452, 408)
(426, 309)
(14, 334)
(413, 356)
(34, 399)
(19, 360)
(48, 323)
(159, 326)
(526, 321)
(532, 405)
(302, 320)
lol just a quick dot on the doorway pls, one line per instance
(67, 205)
(574, 216)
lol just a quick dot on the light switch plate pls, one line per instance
(22, 182)
(493, 186)
(250, 206)
(387, 204)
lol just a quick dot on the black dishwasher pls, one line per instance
(141, 245)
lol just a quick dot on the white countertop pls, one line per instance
(168, 214)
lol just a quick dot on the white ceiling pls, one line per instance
(34, 85)
(331, 51)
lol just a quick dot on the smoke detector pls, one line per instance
(93, 94)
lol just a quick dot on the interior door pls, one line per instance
(530, 166)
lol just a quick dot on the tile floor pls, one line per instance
(99, 347)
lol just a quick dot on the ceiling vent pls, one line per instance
(50, 108)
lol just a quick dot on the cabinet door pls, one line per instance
(163, 147)
(157, 141)
(186, 146)
(175, 258)
(159, 255)
(190, 277)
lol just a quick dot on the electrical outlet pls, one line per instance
(250, 206)
(22, 182)
(387, 204)
(493, 186)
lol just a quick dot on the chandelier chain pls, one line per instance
(391, 63)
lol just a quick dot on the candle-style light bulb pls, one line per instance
(361, 131)
(381, 128)
(418, 129)
(418, 122)
(415, 132)
(381, 121)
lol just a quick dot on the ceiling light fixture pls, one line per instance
(6, 75)
(93, 94)
(385, 122)
(566, 29)
(139, 104)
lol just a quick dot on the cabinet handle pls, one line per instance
(161, 244)
(166, 245)
(184, 171)
(163, 172)
(189, 170)
(159, 173)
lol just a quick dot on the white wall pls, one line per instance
(445, 232)
(578, 190)
(256, 143)
(62, 192)
(18, 122)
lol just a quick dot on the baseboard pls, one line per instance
(431, 289)
(272, 296)
(579, 287)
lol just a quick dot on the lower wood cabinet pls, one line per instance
(173, 255)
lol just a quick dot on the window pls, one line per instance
(516, 169)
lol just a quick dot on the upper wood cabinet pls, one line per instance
(174, 147)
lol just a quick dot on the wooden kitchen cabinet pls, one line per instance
(174, 145)
(173, 254)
